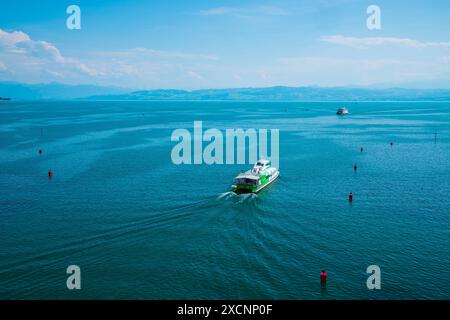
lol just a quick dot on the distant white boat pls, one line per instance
(342, 111)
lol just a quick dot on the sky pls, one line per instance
(147, 44)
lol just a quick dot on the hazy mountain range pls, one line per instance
(55, 91)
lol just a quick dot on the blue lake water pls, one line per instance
(141, 227)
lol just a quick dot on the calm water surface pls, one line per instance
(142, 227)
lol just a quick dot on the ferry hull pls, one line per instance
(242, 189)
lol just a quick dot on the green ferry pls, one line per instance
(253, 181)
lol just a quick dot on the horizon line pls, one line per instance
(369, 87)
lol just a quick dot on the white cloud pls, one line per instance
(329, 71)
(220, 11)
(28, 59)
(381, 41)
(23, 59)
(262, 10)
(150, 68)
(10, 39)
(195, 75)
(165, 54)
(271, 10)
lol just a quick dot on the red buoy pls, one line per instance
(350, 197)
(323, 276)
(50, 173)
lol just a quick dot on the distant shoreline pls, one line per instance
(57, 91)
